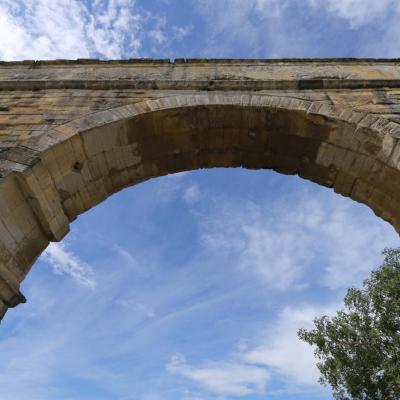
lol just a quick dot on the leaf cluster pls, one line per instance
(359, 348)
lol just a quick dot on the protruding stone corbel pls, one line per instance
(10, 295)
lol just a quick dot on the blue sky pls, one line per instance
(191, 286)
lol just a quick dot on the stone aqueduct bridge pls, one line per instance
(74, 132)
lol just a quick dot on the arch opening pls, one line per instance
(154, 231)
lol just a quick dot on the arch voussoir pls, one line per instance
(338, 153)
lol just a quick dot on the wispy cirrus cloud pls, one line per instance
(226, 378)
(192, 194)
(284, 242)
(356, 12)
(296, 28)
(278, 347)
(64, 262)
(276, 354)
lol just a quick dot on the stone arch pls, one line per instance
(76, 165)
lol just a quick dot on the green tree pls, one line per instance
(359, 348)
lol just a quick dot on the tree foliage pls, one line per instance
(359, 348)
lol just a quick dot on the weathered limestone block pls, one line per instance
(74, 132)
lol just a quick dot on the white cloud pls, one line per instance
(283, 352)
(64, 262)
(158, 36)
(257, 243)
(285, 242)
(352, 245)
(170, 187)
(270, 8)
(138, 308)
(191, 194)
(69, 29)
(180, 32)
(224, 378)
(43, 29)
(277, 353)
(356, 12)
(274, 28)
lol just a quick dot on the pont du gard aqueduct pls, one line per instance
(74, 132)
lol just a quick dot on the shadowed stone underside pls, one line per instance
(74, 132)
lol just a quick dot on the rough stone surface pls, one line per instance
(74, 132)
